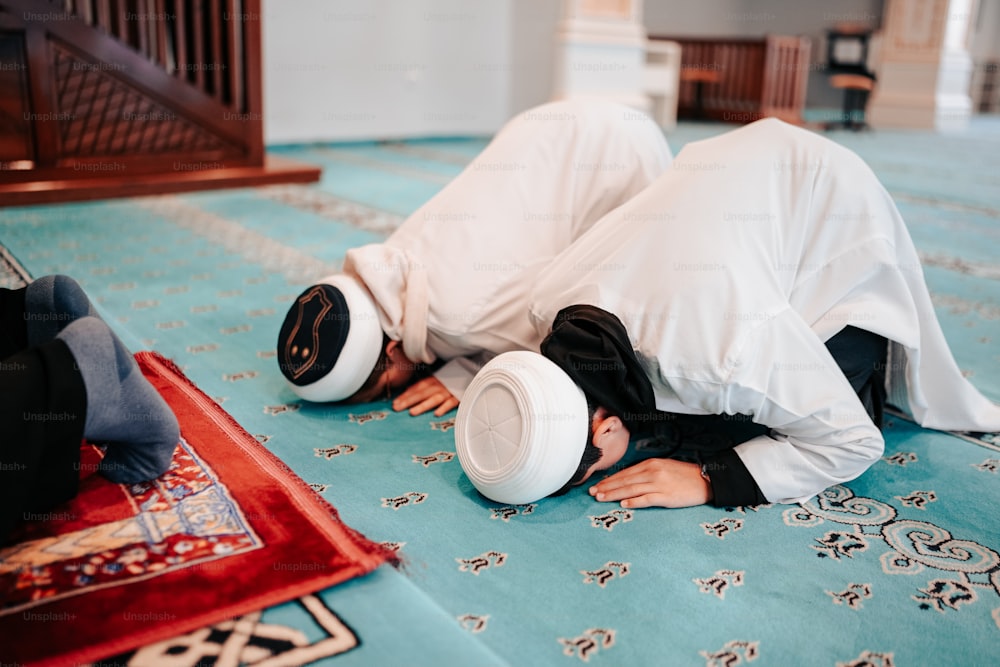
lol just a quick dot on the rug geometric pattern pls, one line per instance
(246, 640)
(185, 518)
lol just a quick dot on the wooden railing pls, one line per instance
(113, 97)
(742, 80)
(198, 41)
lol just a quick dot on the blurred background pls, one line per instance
(349, 69)
(118, 97)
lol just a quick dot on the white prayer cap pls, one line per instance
(521, 428)
(330, 340)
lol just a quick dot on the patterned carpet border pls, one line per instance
(163, 558)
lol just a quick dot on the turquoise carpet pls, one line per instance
(899, 567)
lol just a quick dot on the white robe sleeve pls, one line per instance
(457, 374)
(821, 434)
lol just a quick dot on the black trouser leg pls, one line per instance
(861, 355)
(43, 405)
(13, 329)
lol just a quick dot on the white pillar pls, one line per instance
(601, 52)
(925, 66)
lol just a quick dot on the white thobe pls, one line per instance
(733, 268)
(452, 282)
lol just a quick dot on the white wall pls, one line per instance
(985, 38)
(363, 69)
(532, 51)
(755, 18)
(339, 70)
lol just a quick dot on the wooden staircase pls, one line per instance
(109, 98)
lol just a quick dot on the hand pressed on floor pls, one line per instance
(655, 483)
(426, 394)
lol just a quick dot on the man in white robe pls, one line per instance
(451, 284)
(713, 291)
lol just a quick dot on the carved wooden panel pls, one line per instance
(101, 115)
(121, 97)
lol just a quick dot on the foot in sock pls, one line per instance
(50, 304)
(123, 408)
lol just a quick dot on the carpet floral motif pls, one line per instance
(960, 570)
(186, 518)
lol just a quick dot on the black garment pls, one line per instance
(13, 329)
(43, 406)
(594, 349)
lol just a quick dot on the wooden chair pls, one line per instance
(847, 70)
(857, 88)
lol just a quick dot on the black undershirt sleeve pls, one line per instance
(592, 346)
(594, 349)
(732, 484)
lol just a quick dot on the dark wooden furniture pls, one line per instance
(989, 84)
(699, 77)
(742, 80)
(105, 98)
(847, 70)
(857, 88)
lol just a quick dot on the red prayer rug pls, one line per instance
(228, 530)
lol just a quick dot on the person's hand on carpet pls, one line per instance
(426, 394)
(655, 483)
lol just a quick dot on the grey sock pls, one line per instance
(123, 408)
(50, 304)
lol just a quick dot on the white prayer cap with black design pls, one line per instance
(330, 340)
(521, 428)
